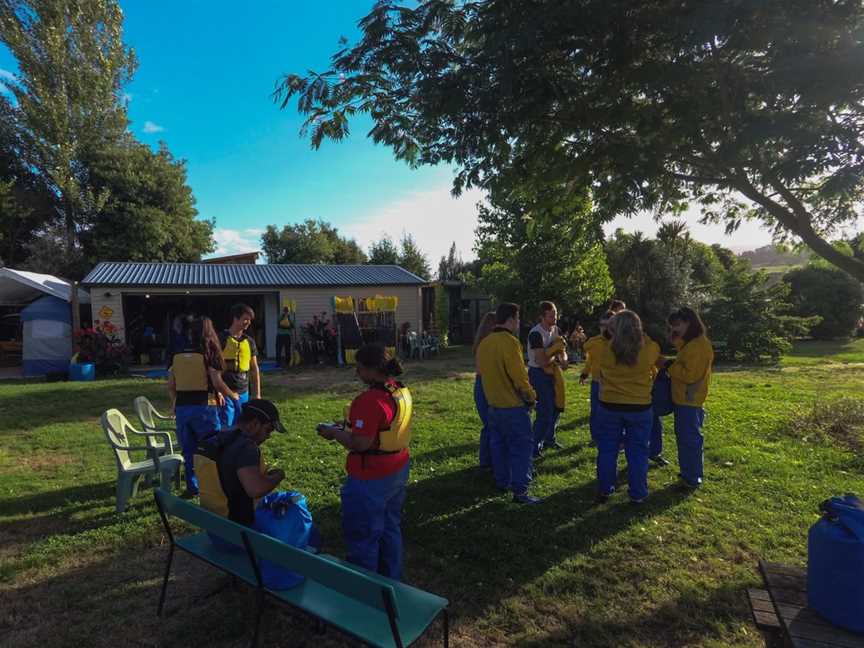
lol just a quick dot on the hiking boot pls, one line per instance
(637, 502)
(557, 445)
(659, 461)
(601, 498)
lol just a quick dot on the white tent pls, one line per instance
(19, 287)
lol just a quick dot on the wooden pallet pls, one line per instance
(803, 628)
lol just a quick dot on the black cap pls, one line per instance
(265, 411)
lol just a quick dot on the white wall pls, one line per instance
(107, 305)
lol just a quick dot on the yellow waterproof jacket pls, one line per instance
(503, 371)
(625, 384)
(691, 372)
(593, 348)
(557, 373)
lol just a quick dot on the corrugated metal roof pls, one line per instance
(179, 275)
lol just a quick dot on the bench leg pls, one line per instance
(258, 613)
(446, 622)
(165, 580)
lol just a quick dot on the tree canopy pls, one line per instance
(750, 109)
(77, 187)
(384, 252)
(539, 244)
(310, 242)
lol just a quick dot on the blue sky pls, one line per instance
(206, 71)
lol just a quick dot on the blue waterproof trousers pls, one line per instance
(371, 522)
(195, 423)
(656, 446)
(546, 416)
(688, 434)
(512, 448)
(612, 427)
(483, 412)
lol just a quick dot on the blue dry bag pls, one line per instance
(284, 516)
(661, 394)
(835, 563)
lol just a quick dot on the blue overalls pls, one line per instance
(547, 415)
(371, 522)
(483, 411)
(512, 444)
(613, 427)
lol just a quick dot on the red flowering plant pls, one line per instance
(101, 346)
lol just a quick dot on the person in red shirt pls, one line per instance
(374, 490)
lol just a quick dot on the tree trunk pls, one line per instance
(800, 224)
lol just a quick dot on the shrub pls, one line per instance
(829, 293)
(840, 421)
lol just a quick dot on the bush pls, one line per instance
(750, 319)
(840, 421)
(828, 293)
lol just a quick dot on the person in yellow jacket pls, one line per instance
(509, 396)
(624, 413)
(690, 372)
(593, 350)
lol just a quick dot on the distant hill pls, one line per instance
(770, 258)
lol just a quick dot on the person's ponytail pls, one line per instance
(392, 368)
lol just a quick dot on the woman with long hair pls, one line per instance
(690, 372)
(485, 328)
(376, 434)
(624, 412)
(197, 391)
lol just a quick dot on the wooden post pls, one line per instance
(76, 309)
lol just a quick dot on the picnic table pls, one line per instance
(787, 599)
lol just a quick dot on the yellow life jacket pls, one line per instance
(190, 372)
(398, 436)
(210, 493)
(237, 354)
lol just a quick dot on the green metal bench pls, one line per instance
(376, 610)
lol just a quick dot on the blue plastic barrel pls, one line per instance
(82, 372)
(835, 563)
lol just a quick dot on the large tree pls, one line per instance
(72, 67)
(384, 252)
(150, 211)
(541, 244)
(310, 242)
(752, 109)
(411, 258)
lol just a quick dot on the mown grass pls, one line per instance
(672, 573)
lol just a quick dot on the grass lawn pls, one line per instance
(671, 573)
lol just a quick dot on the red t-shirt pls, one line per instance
(371, 412)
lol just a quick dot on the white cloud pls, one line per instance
(433, 217)
(231, 241)
(7, 75)
(127, 97)
(9, 78)
(152, 127)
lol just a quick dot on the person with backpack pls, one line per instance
(376, 433)
(624, 413)
(690, 372)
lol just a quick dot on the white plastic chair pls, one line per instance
(129, 472)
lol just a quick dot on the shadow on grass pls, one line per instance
(681, 622)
